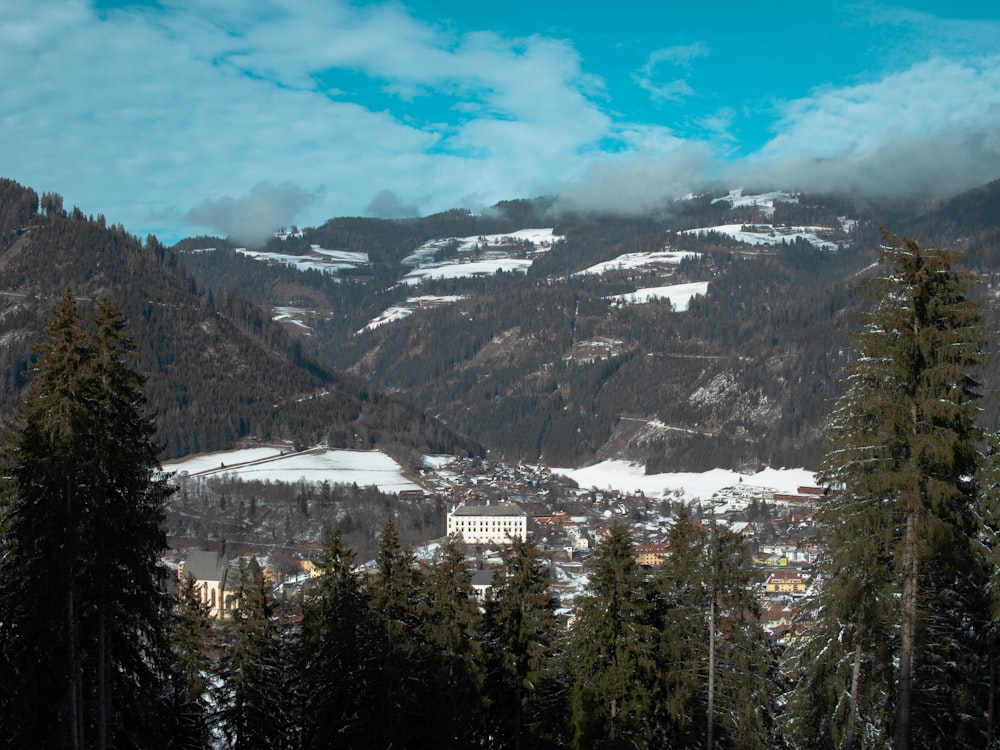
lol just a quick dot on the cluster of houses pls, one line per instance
(482, 516)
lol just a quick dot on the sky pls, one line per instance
(237, 117)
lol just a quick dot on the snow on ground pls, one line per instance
(630, 261)
(767, 234)
(209, 461)
(437, 460)
(318, 259)
(318, 465)
(292, 316)
(395, 312)
(679, 294)
(541, 239)
(628, 477)
(764, 201)
(398, 312)
(464, 270)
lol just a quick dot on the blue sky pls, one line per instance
(239, 116)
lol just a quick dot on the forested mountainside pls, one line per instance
(539, 346)
(550, 359)
(219, 369)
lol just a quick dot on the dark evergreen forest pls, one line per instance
(740, 379)
(897, 648)
(219, 370)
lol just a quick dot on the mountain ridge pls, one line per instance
(540, 362)
(219, 370)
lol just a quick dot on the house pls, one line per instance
(777, 617)
(482, 583)
(488, 524)
(770, 559)
(785, 582)
(650, 555)
(211, 572)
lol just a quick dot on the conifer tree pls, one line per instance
(82, 602)
(254, 711)
(523, 655)
(451, 623)
(613, 651)
(190, 641)
(682, 593)
(334, 629)
(744, 702)
(395, 715)
(990, 494)
(903, 575)
(717, 682)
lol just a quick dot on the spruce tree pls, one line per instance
(82, 602)
(682, 593)
(896, 642)
(717, 684)
(744, 681)
(193, 693)
(334, 630)
(613, 651)
(395, 715)
(452, 627)
(523, 654)
(254, 712)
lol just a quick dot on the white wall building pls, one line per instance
(213, 575)
(488, 524)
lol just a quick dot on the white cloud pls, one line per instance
(675, 89)
(159, 111)
(929, 128)
(145, 113)
(386, 205)
(254, 217)
(638, 182)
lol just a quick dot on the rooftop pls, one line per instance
(508, 509)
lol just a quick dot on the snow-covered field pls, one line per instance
(367, 468)
(462, 270)
(766, 234)
(364, 468)
(763, 201)
(630, 261)
(627, 477)
(398, 312)
(318, 259)
(679, 294)
(541, 239)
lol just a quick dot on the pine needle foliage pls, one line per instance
(900, 611)
(613, 651)
(82, 597)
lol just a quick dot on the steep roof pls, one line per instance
(203, 565)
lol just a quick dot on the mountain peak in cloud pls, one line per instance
(387, 205)
(254, 217)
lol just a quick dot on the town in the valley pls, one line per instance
(484, 504)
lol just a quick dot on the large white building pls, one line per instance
(488, 524)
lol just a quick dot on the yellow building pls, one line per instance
(785, 582)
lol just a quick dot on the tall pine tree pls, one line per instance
(193, 693)
(523, 656)
(254, 713)
(902, 595)
(451, 625)
(335, 627)
(399, 658)
(613, 651)
(82, 603)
